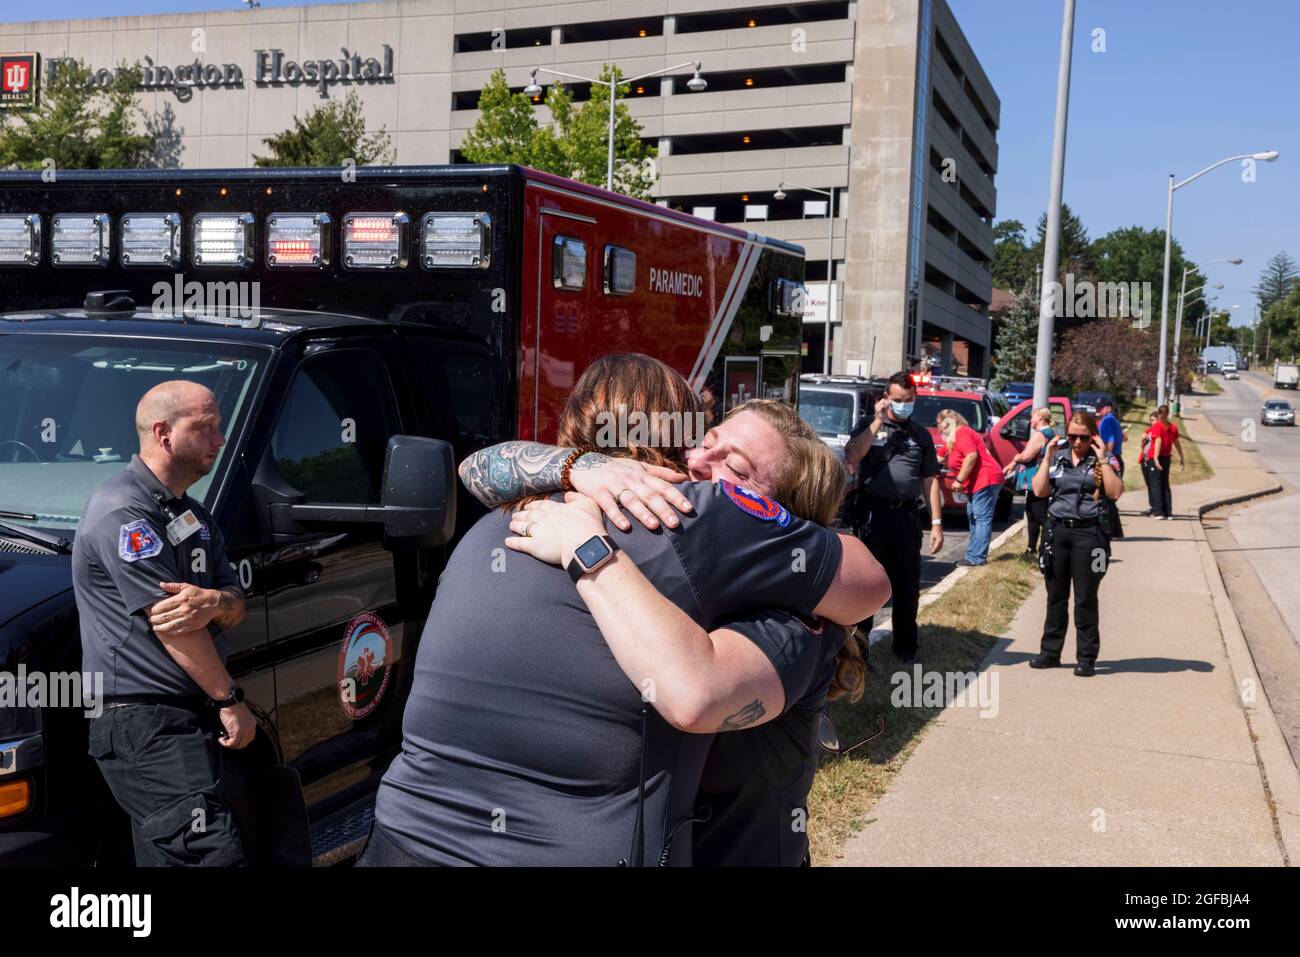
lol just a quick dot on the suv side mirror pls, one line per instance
(1017, 429)
(417, 497)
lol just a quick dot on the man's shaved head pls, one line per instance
(179, 424)
(169, 401)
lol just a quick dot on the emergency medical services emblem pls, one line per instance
(760, 506)
(364, 665)
(137, 540)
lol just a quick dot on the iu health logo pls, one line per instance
(18, 81)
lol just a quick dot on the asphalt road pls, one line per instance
(1269, 531)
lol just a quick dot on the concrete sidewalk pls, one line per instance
(1160, 759)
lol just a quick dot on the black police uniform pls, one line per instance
(1078, 553)
(887, 516)
(155, 742)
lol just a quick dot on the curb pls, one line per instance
(944, 584)
(1277, 768)
(1280, 776)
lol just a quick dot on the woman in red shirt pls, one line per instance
(976, 473)
(1169, 441)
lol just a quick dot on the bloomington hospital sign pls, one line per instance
(271, 69)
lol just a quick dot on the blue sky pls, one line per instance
(1182, 83)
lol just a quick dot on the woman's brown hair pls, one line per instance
(1089, 421)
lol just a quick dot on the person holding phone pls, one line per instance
(1076, 476)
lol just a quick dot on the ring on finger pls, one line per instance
(619, 497)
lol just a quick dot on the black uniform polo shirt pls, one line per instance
(119, 558)
(1073, 486)
(911, 458)
(756, 782)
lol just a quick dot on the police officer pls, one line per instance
(896, 464)
(1078, 476)
(154, 590)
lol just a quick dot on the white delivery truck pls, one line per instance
(1286, 375)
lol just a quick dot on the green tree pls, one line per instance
(1016, 349)
(79, 125)
(575, 143)
(1279, 328)
(1075, 247)
(1276, 281)
(330, 135)
(1013, 266)
(1135, 255)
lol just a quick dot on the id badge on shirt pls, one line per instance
(182, 527)
(881, 439)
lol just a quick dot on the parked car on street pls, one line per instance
(1088, 401)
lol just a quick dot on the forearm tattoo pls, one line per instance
(744, 717)
(512, 470)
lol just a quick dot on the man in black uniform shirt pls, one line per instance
(154, 590)
(896, 464)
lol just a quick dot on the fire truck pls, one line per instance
(363, 330)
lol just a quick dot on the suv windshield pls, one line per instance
(69, 412)
(929, 406)
(829, 412)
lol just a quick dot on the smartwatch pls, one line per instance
(590, 555)
(233, 697)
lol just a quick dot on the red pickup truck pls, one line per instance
(1004, 428)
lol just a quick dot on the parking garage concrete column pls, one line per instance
(945, 355)
(880, 175)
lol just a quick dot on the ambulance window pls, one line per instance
(620, 271)
(334, 428)
(568, 263)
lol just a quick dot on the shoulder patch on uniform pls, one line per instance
(137, 540)
(752, 503)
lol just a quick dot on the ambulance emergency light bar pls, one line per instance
(79, 239)
(455, 239)
(375, 240)
(223, 239)
(151, 239)
(20, 240)
(378, 240)
(297, 240)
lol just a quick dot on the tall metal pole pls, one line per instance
(1178, 332)
(1052, 242)
(830, 279)
(613, 95)
(1164, 298)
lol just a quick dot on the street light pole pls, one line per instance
(1052, 241)
(1266, 156)
(830, 260)
(695, 84)
(1178, 325)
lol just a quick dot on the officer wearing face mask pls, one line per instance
(897, 472)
